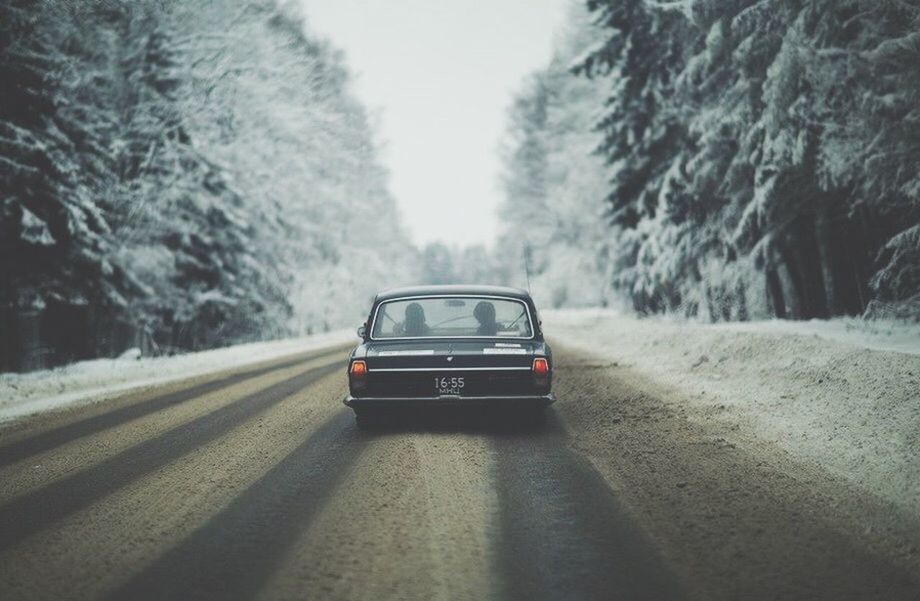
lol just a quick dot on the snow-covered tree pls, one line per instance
(761, 154)
(273, 105)
(556, 232)
(183, 175)
(54, 241)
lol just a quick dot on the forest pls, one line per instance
(178, 176)
(723, 159)
(183, 175)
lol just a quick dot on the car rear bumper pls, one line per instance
(450, 401)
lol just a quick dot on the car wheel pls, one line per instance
(367, 420)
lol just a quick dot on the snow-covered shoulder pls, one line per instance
(99, 379)
(842, 394)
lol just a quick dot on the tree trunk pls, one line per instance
(796, 285)
(802, 256)
(825, 247)
(741, 294)
(710, 307)
(775, 293)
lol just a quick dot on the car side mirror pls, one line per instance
(362, 330)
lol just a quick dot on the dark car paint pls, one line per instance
(451, 290)
(504, 377)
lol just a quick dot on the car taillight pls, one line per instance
(540, 367)
(357, 375)
(358, 368)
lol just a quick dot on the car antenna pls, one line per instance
(527, 266)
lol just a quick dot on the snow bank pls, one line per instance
(844, 394)
(879, 335)
(23, 394)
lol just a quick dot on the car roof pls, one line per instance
(463, 289)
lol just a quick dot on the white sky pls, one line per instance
(443, 73)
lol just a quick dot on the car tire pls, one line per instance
(367, 420)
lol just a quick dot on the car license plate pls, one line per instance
(448, 385)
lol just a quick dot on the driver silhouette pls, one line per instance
(485, 315)
(415, 321)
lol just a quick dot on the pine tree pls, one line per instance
(189, 175)
(275, 108)
(555, 232)
(760, 153)
(54, 241)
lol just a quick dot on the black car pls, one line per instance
(450, 345)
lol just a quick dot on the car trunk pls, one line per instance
(481, 368)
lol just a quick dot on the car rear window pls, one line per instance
(455, 316)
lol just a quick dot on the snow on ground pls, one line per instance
(833, 393)
(844, 394)
(879, 335)
(24, 394)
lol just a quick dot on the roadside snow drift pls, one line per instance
(823, 391)
(87, 381)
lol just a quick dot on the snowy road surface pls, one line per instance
(253, 483)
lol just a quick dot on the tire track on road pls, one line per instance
(734, 521)
(412, 521)
(234, 553)
(90, 552)
(41, 470)
(37, 443)
(38, 509)
(563, 532)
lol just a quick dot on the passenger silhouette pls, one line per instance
(415, 321)
(485, 315)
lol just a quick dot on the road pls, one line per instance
(255, 484)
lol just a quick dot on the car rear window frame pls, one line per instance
(373, 324)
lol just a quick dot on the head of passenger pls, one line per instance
(485, 315)
(415, 320)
